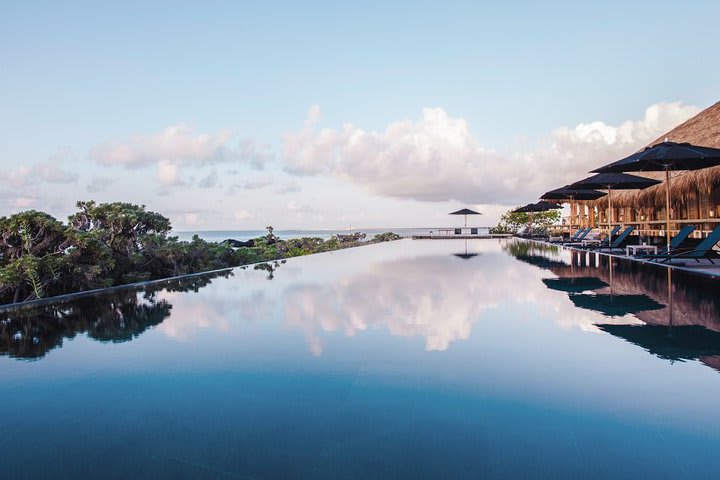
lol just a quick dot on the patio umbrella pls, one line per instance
(465, 212)
(567, 193)
(523, 209)
(543, 206)
(664, 157)
(613, 181)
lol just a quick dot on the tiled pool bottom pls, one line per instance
(413, 359)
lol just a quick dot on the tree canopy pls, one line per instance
(108, 244)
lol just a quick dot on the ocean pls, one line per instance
(242, 235)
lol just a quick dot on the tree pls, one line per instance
(514, 222)
(32, 254)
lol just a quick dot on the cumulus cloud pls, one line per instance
(179, 146)
(99, 184)
(208, 181)
(258, 181)
(253, 183)
(290, 187)
(437, 158)
(242, 215)
(41, 172)
(296, 207)
(168, 174)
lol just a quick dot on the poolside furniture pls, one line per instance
(580, 236)
(584, 239)
(571, 239)
(676, 242)
(703, 251)
(619, 242)
(634, 249)
(596, 240)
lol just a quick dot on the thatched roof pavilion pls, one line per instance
(695, 194)
(704, 130)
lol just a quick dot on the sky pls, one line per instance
(324, 114)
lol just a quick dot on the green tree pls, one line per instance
(515, 222)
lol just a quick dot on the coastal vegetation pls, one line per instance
(109, 244)
(533, 222)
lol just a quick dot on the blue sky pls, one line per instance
(371, 114)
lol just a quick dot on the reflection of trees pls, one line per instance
(519, 248)
(269, 267)
(120, 316)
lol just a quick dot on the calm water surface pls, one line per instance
(413, 359)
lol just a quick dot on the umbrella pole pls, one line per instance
(667, 208)
(610, 215)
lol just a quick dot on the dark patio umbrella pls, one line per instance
(543, 206)
(664, 157)
(615, 305)
(465, 212)
(524, 209)
(613, 181)
(574, 284)
(567, 193)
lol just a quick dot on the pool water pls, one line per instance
(411, 359)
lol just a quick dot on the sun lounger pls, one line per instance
(582, 234)
(703, 251)
(675, 243)
(619, 242)
(571, 239)
(605, 242)
(588, 237)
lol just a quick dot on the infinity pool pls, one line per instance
(411, 359)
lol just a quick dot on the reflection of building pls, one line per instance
(687, 327)
(694, 297)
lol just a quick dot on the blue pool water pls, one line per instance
(411, 359)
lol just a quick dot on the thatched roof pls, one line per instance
(703, 129)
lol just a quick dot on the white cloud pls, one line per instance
(179, 146)
(176, 143)
(437, 158)
(294, 206)
(257, 181)
(99, 184)
(23, 202)
(242, 215)
(209, 181)
(290, 187)
(168, 174)
(41, 172)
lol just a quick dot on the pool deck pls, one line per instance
(461, 237)
(703, 267)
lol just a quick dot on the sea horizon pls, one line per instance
(220, 235)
